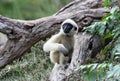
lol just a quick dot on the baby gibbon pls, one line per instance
(61, 45)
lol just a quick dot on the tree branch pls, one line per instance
(23, 34)
(5, 29)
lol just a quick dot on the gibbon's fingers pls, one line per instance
(54, 47)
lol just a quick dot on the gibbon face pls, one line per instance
(69, 27)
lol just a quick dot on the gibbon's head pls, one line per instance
(69, 27)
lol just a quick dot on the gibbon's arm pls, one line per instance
(55, 47)
(51, 45)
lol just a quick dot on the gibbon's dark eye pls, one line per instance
(75, 28)
(67, 27)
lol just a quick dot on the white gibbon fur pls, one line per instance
(61, 45)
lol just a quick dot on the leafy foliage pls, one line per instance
(108, 28)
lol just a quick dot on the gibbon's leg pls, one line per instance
(63, 59)
(54, 57)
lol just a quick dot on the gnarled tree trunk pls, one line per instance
(24, 34)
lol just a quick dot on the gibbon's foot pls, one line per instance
(66, 66)
(69, 61)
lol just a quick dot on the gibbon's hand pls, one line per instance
(63, 50)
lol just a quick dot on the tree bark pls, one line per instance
(118, 2)
(23, 34)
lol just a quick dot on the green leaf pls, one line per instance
(114, 9)
(93, 76)
(108, 35)
(94, 67)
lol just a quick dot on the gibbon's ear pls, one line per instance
(68, 22)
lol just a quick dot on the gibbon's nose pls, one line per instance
(67, 27)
